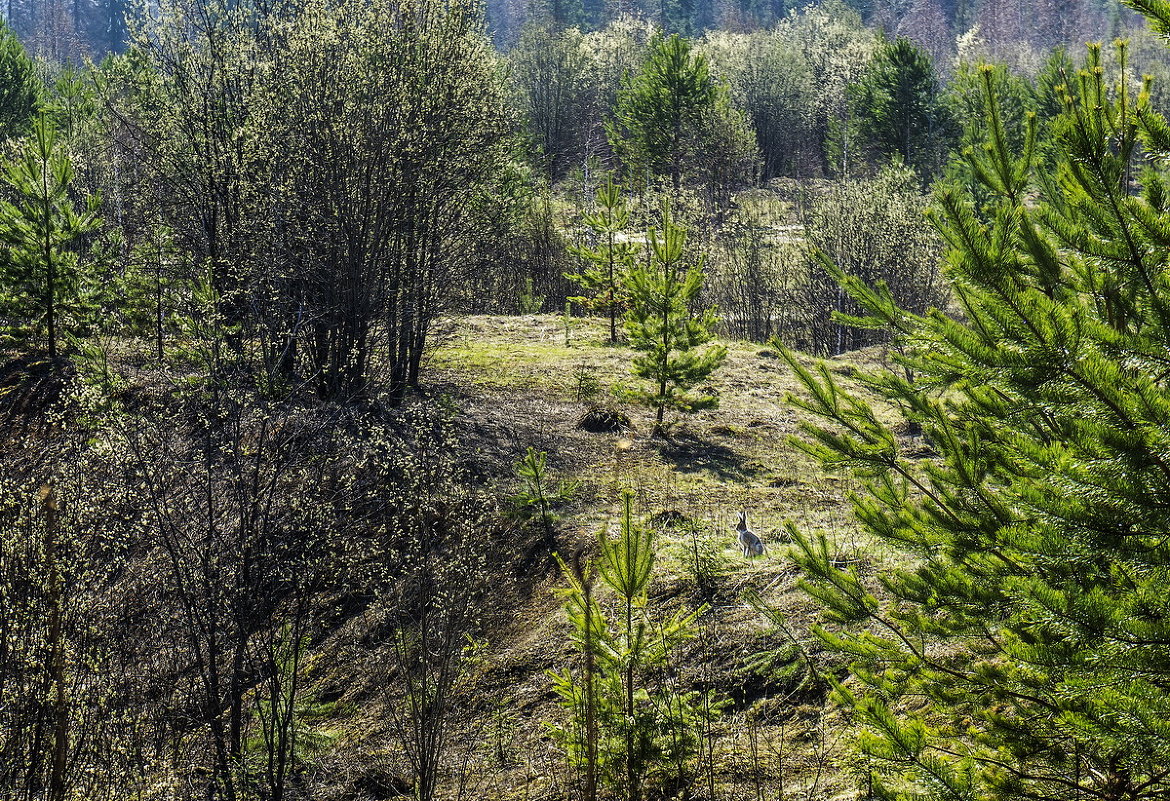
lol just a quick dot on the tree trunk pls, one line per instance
(57, 655)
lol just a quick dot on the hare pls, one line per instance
(751, 544)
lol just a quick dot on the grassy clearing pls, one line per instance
(517, 384)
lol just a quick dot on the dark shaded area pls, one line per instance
(29, 384)
(690, 454)
(603, 420)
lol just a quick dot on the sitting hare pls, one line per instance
(751, 544)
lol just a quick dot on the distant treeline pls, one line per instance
(934, 23)
(71, 30)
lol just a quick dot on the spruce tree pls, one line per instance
(1019, 646)
(662, 326)
(608, 259)
(42, 282)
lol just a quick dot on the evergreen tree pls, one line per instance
(608, 260)
(662, 111)
(661, 325)
(41, 275)
(1014, 96)
(898, 109)
(20, 89)
(1057, 76)
(1015, 102)
(539, 495)
(626, 730)
(1020, 650)
(113, 26)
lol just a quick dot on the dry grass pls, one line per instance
(517, 383)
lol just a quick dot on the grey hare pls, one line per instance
(751, 544)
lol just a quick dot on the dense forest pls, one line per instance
(74, 29)
(585, 399)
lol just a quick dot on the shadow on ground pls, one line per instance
(692, 454)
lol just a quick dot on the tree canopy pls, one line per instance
(662, 111)
(20, 88)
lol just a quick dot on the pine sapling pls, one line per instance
(662, 326)
(40, 228)
(539, 496)
(627, 730)
(603, 276)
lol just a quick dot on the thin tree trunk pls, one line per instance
(590, 699)
(57, 654)
(612, 293)
(50, 267)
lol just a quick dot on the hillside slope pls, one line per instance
(281, 538)
(518, 385)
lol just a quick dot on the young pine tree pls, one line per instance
(540, 496)
(20, 88)
(899, 109)
(42, 281)
(1021, 649)
(627, 728)
(661, 325)
(608, 260)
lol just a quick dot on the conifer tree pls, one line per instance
(41, 275)
(625, 730)
(1020, 649)
(608, 260)
(662, 326)
(1015, 99)
(898, 108)
(1057, 71)
(20, 89)
(663, 110)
